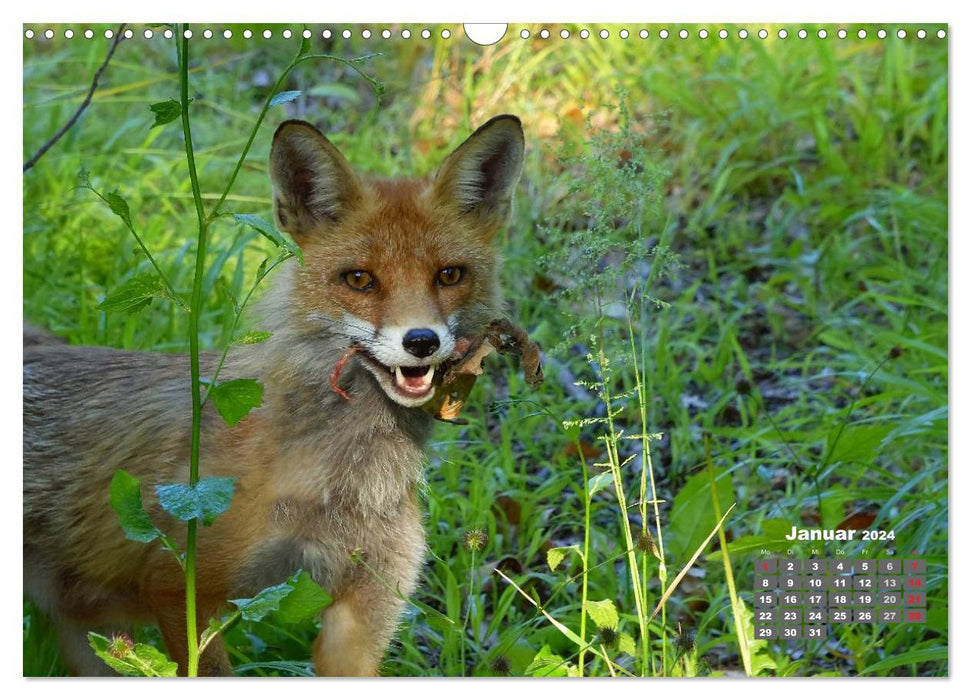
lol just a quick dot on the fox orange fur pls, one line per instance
(400, 270)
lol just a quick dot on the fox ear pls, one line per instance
(480, 176)
(313, 184)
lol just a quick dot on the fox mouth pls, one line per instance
(407, 385)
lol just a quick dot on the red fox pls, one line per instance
(401, 270)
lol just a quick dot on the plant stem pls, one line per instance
(195, 311)
(586, 554)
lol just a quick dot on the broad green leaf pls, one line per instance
(625, 644)
(207, 500)
(600, 481)
(547, 665)
(554, 555)
(304, 602)
(761, 658)
(125, 496)
(286, 96)
(264, 227)
(135, 294)
(253, 337)
(304, 46)
(119, 206)
(914, 656)
(264, 602)
(130, 659)
(236, 398)
(603, 613)
(855, 443)
(693, 515)
(166, 112)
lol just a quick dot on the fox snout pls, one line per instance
(421, 342)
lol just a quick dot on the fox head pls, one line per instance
(401, 269)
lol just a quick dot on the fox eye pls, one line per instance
(448, 276)
(360, 280)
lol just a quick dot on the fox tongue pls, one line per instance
(416, 381)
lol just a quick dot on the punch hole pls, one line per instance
(247, 34)
(366, 34)
(168, 34)
(564, 33)
(663, 33)
(683, 34)
(68, 33)
(425, 34)
(229, 35)
(644, 34)
(722, 33)
(763, 34)
(703, 33)
(743, 33)
(584, 33)
(327, 34)
(346, 33)
(267, 34)
(29, 33)
(306, 34)
(129, 33)
(148, 34)
(624, 33)
(207, 34)
(88, 34)
(446, 34)
(921, 34)
(489, 34)
(187, 33)
(901, 34)
(783, 34)
(544, 34)
(287, 34)
(821, 34)
(405, 33)
(386, 34)
(941, 34)
(109, 33)
(861, 33)
(604, 33)
(803, 33)
(841, 33)
(882, 33)
(524, 33)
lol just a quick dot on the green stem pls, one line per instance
(195, 311)
(586, 554)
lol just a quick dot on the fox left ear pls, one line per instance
(480, 176)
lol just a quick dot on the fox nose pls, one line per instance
(421, 342)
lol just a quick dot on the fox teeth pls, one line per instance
(399, 377)
(426, 379)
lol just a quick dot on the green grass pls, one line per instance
(802, 187)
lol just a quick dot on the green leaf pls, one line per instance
(236, 398)
(547, 665)
(625, 644)
(207, 500)
(554, 555)
(855, 443)
(279, 238)
(253, 337)
(335, 91)
(761, 657)
(130, 659)
(84, 178)
(119, 206)
(135, 294)
(304, 602)
(693, 515)
(914, 656)
(264, 602)
(166, 112)
(603, 613)
(126, 500)
(599, 481)
(304, 46)
(286, 96)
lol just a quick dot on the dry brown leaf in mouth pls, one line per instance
(456, 382)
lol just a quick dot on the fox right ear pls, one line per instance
(313, 184)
